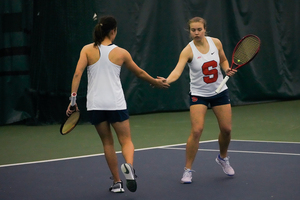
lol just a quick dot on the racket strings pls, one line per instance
(70, 123)
(246, 50)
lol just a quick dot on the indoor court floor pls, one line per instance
(264, 170)
(38, 163)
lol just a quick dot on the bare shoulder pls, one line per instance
(120, 50)
(89, 48)
(187, 48)
(217, 42)
(187, 52)
(121, 53)
(119, 56)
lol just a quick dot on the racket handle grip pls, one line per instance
(73, 98)
(222, 84)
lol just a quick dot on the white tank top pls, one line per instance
(104, 85)
(205, 71)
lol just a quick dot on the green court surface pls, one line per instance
(277, 121)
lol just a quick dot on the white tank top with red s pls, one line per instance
(205, 71)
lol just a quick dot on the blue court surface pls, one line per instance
(264, 170)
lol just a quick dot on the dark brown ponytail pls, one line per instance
(102, 28)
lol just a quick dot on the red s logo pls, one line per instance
(209, 71)
(194, 99)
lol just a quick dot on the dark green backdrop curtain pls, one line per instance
(15, 29)
(154, 32)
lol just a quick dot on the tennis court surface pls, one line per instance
(264, 170)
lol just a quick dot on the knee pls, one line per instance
(196, 133)
(107, 140)
(125, 141)
(226, 131)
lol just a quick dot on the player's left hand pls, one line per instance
(69, 111)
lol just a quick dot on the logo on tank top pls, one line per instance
(199, 57)
(194, 99)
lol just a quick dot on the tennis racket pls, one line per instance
(245, 50)
(72, 120)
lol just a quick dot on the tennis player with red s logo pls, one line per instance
(205, 57)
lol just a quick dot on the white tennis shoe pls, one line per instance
(117, 187)
(224, 163)
(187, 176)
(130, 176)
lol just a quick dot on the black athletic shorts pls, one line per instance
(112, 116)
(217, 100)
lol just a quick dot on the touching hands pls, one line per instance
(161, 82)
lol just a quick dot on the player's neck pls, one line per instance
(106, 41)
(201, 43)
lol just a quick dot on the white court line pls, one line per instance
(160, 147)
(280, 142)
(235, 151)
(93, 155)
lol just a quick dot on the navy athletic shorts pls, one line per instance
(112, 116)
(217, 100)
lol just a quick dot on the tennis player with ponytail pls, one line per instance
(106, 104)
(205, 57)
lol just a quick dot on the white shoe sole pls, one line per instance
(130, 177)
(117, 190)
(127, 171)
(184, 182)
(217, 160)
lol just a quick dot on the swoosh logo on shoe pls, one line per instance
(126, 170)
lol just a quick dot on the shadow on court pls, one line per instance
(264, 170)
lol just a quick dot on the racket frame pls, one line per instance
(234, 64)
(235, 48)
(72, 107)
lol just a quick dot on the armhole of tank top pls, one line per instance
(114, 46)
(212, 43)
(99, 51)
(208, 38)
(192, 45)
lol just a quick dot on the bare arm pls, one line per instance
(223, 60)
(184, 57)
(140, 73)
(81, 65)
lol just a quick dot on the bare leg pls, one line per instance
(223, 114)
(124, 136)
(105, 134)
(197, 114)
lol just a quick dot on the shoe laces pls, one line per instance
(188, 172)
(135, 176)
(226, 161)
